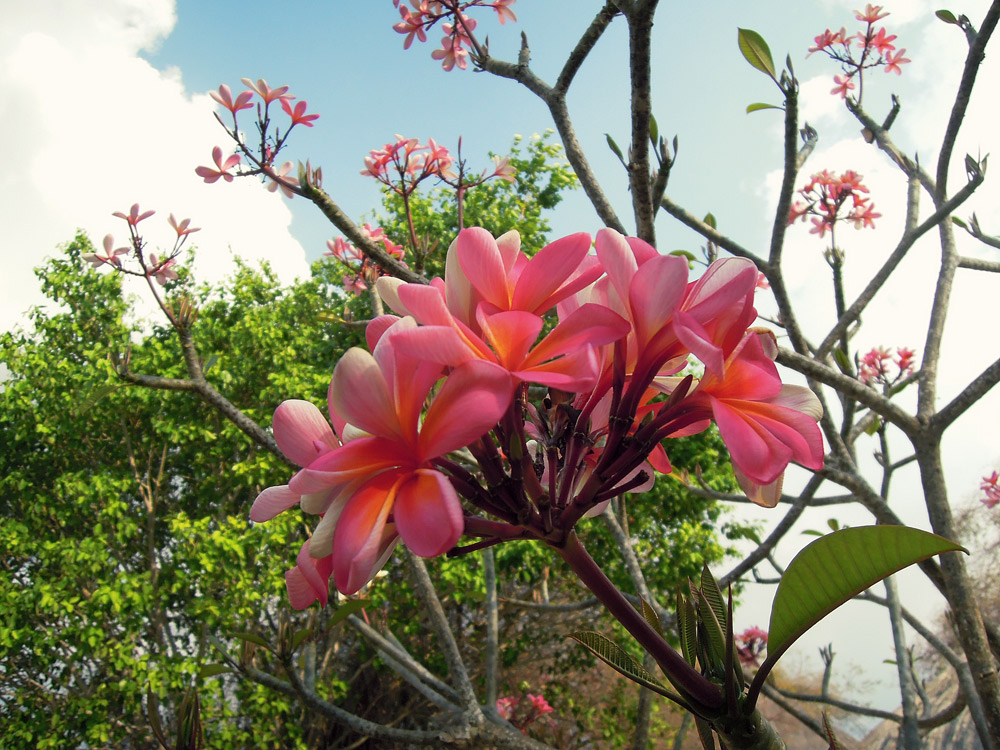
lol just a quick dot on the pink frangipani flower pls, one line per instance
(225, 97)
(298, 114)
(210, 175)
(133, 217)
(264, 91)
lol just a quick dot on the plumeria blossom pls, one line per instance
(451, 373)
(829, 198)
(162, 271)
(764, 423)
(280, 179)
(210, 175)
(183, 228)
(298, 113)
(881, 366)
(751, 644)
(991, 486)
(872, 47)
(111, 254)
(384, 467)
(264, 91)
(491, 306)
(134, 216)
(225, 97)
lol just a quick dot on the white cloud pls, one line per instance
(92, 128)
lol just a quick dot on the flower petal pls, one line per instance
(298, 427)
(428, 513)
(473, 398)
(360, 395)
(358, 542)
(271, 502)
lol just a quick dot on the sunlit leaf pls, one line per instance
(252, 638)
(758, 106)
(756, 51)
(947, 16)
(614, 147)
(210, 670)
(838, 566)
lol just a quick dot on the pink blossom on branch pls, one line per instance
(210, 175)
(110, 254)
(893, 61)
(264, 91)
(844, 84)
(133, 217)
(182, 227)
(298, 113)
(991, 486)
(871, 13)
(225, 97)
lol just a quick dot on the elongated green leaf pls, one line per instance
(715, 647)
(346, 609)
(947, 16)
(654, 131)
(836, 567)
(253, 638)
(619, 660)
(687, 624)
(210, 670)
(756, 51)
(758, 106)
(95, 395)
(300, 636)
(705, 734)
(710, 588)
(649, 614)
(614, 147)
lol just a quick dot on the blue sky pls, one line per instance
(105, 104)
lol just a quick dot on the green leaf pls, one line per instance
(618, 659)
(96, 395)
(705, 733)
(614, 147)
(346, 610)
(756, 51)
(947, 16)
(758, 106)
(300, 636)
(654, 131)
(649, 614)
(959, 222)
(842, 360)
(710, 220)
(836, 567)
(253, 638)
(713, 595)
(210, 670)
(715, 644)
(687, 624)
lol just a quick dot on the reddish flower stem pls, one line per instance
(681, 674)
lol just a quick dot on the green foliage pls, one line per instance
(123, 511)
(542, 174)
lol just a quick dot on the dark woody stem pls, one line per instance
(681, 674)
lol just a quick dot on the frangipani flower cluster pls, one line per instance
(451, 370)
(262, 159)
(869, 48)
(361, 271)
(829, 198)
(163, 268)
(423, 14)
(881, 365)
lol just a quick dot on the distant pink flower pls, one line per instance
(264, 91)
(991, 486)
(864, 216)
(893, 61)
(506, 706)
(451, 54)
(828, 39)
(820, 226)
(904, 360)
(503, 169)
(750, 645)
(280, 179)
(162, 271)
(298, 114)
(504, 13)
(225, 97)
(182, 227)
(879, 42)
(844, 84)
(210, 175)
(412, 24)
(133, 217)
(871, 13)
(539, 703)
(110, 254)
